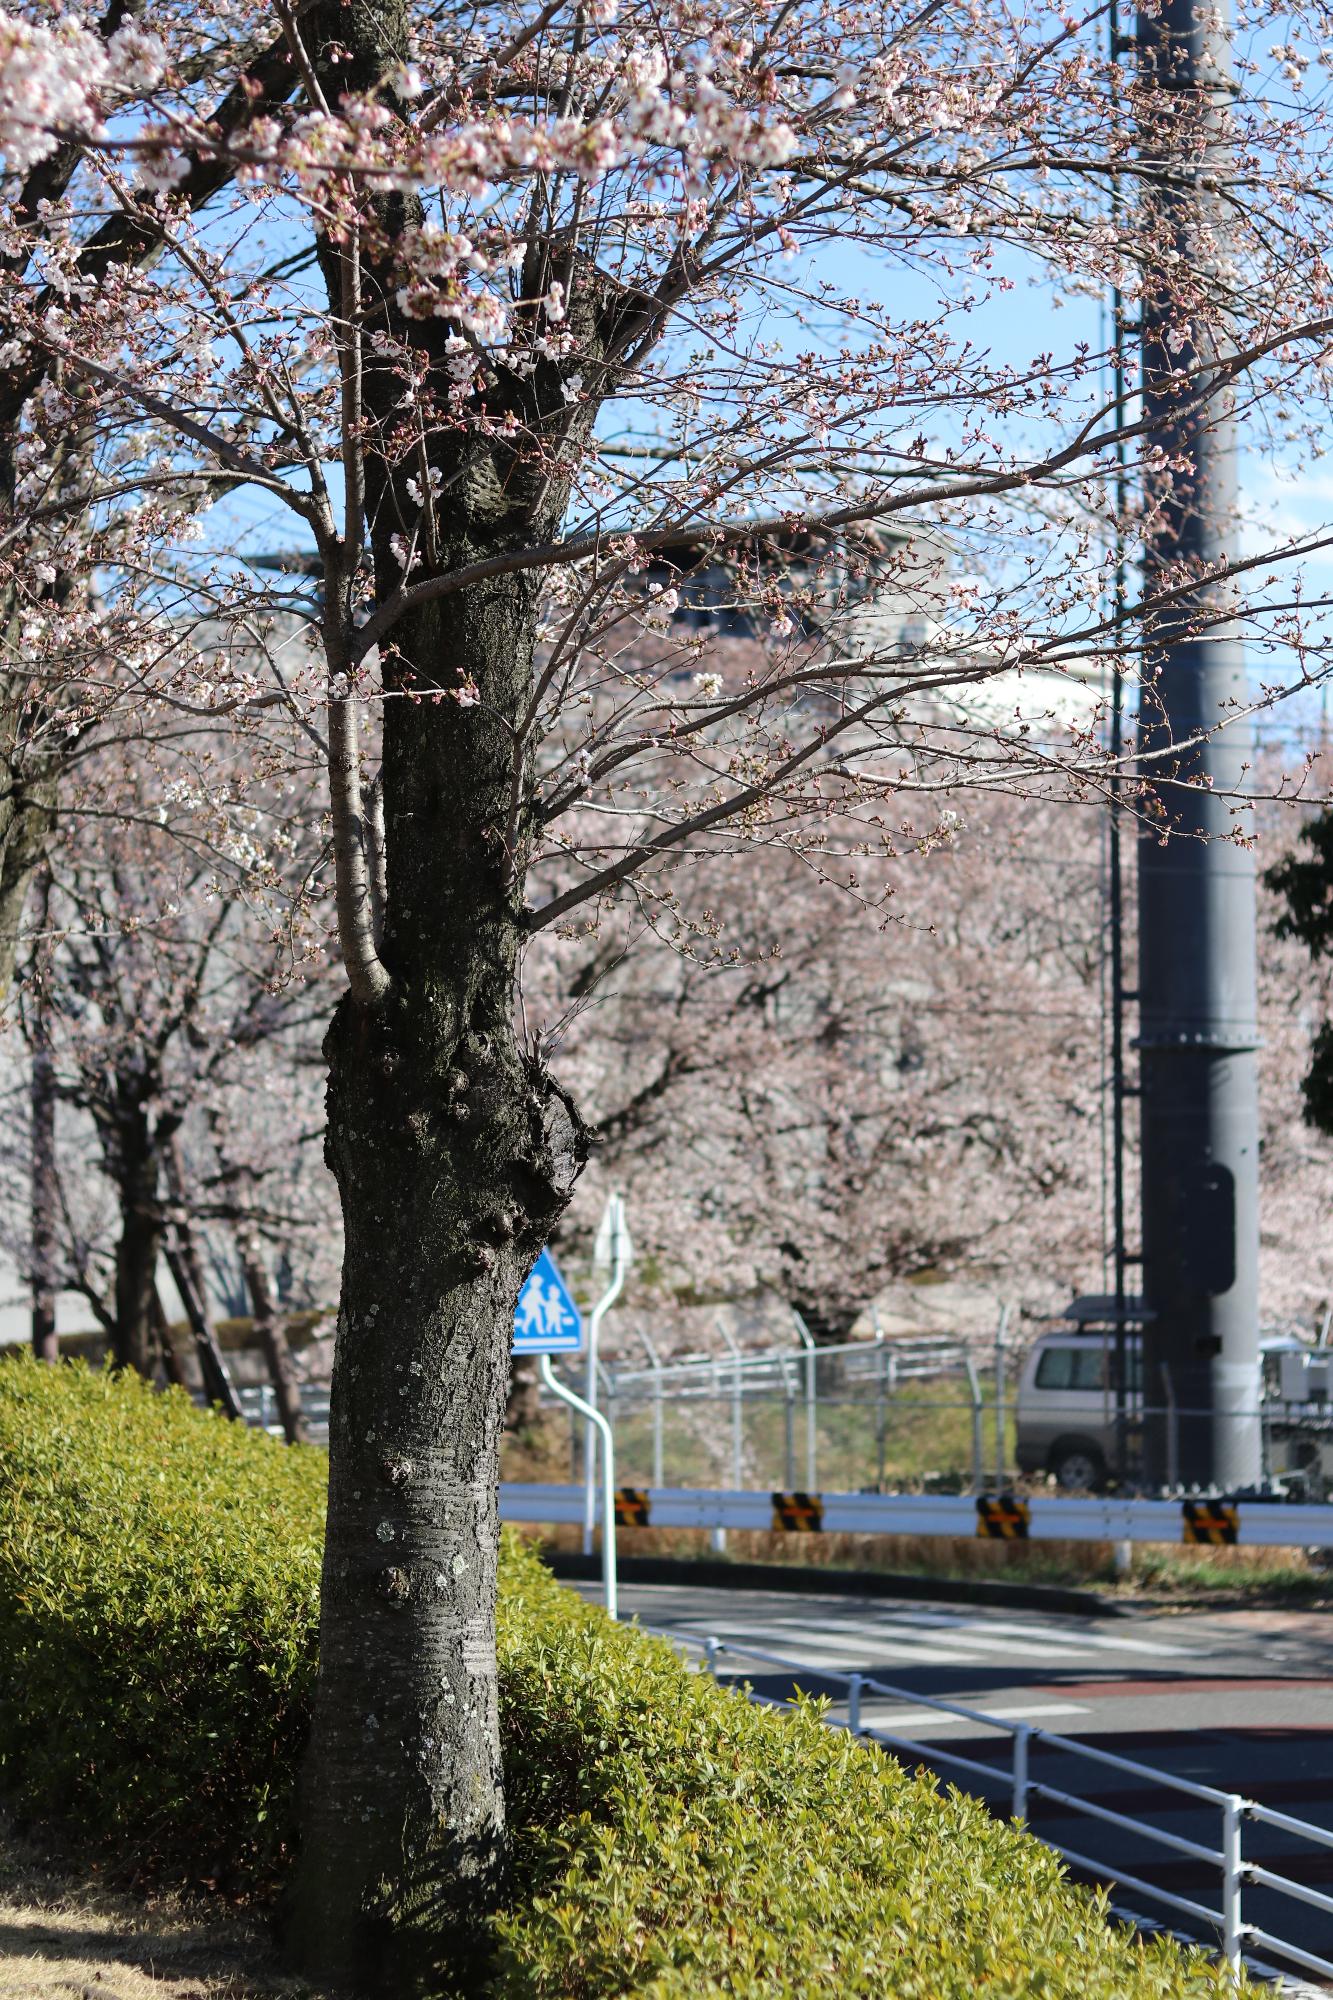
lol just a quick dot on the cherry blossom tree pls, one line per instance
(531, 322)
(1302, 883)
(166, 994)
(819, 1099)
(76, 659)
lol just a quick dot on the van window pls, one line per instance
(1071, 1367)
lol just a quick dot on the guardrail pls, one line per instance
(1042, 1517)
(1234, 1871)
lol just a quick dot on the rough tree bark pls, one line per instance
(27, 815)
(454, 1150)
(454, 1155)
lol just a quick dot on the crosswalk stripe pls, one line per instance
(901, 1718)
(860, 1641)
(1101, 1642)
(851, 1654)
(896, 1632)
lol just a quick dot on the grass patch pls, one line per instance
(158, 1578)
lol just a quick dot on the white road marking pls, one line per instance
(896, 1632)
(899, 1718)
(804, 1649)
(1101, 1642)
(1053, 1635)
(929, 1640)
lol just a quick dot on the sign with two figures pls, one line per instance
(546, 1319)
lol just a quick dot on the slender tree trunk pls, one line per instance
(27, 815)
(44, 1191)
(188, 1272)
(183, 1263)
(454, 1155)
(272, 1336)
(138, 1248)
(171, 1366)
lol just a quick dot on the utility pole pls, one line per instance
(1198, 1035)
(1115, 863)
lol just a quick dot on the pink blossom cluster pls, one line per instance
(58, 81)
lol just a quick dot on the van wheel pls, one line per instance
(1078, 1465)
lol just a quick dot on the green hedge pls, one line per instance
(158, 1583)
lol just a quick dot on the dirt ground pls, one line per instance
(64, 1939)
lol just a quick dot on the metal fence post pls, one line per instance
(978, 1433)
(1172, 1431)
(789, 1426)
(1022, 1739)
(1000, 1333)
(712, 1647)
(1233, 1872)
(655, 1361)
(854, 1682)
(811, 1404)
(737, 1419)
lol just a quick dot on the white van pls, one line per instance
(1066, 1408)
(1066, 1414)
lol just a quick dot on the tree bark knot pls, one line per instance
(395, 1586)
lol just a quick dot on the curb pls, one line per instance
(804, 1579)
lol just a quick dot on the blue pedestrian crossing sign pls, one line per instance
(546, 1320)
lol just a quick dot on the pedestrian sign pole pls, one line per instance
(547, 1321)
(612, 1251)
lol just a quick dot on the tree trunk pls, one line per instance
(272, 1336)
(27, 816)
(138, 1247)
(188, 1273)
(44, 1192)
(171, 1365)
(455, 1153)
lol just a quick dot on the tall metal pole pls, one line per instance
(1115, 864)
(1199, 1111)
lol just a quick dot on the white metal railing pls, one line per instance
(697, 1375)
(1228, 1858)
(805, 1376)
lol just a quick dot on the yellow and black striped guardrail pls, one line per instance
(803, 1512)
(1001, 1518)
(633, 1507)
(1215, 1521)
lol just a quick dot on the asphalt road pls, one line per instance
(1238, 1700)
